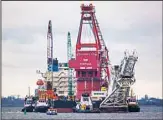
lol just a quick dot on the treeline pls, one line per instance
(12, 101)
(151, 101)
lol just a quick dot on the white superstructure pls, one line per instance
(60, 80)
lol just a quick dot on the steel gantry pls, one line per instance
(123, 78)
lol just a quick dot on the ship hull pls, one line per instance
(28, 109)
(64, 106)
(41, 109)
(96, 104)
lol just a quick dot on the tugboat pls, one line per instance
(132, 103)
(41, 106)
(85, 105)
(42, 102)
(28, 104)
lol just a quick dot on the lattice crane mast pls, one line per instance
(50, 59)
(50, 47)
(70, 72)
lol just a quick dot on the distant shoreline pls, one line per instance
(18, 102)
(150, 105)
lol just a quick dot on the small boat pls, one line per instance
(51, 111)
(28, 105)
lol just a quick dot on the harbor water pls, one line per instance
(147, 112)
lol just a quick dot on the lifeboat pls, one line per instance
(51, 111)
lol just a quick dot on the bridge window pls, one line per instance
(83, 74)
(85, 99)
(61, 92)
(98, 93)
(79, 73)
(90, 74)
(29, 102)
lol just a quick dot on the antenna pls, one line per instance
(29, 91)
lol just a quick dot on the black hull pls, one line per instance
(42, 109)
(96, 104)
(87, 111)
(64, 104)
(133, 108)
(28, 109)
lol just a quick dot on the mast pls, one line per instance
(50, 50)
(50, 58)
(69, 56)
(29, 91)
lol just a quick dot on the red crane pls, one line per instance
(91, 66)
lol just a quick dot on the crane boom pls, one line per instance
(69, 56)
(50, 56)
(49, 46)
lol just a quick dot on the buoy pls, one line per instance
(25, 112)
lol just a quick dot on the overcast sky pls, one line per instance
(124, 25)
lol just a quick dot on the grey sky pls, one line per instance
(125, 25)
